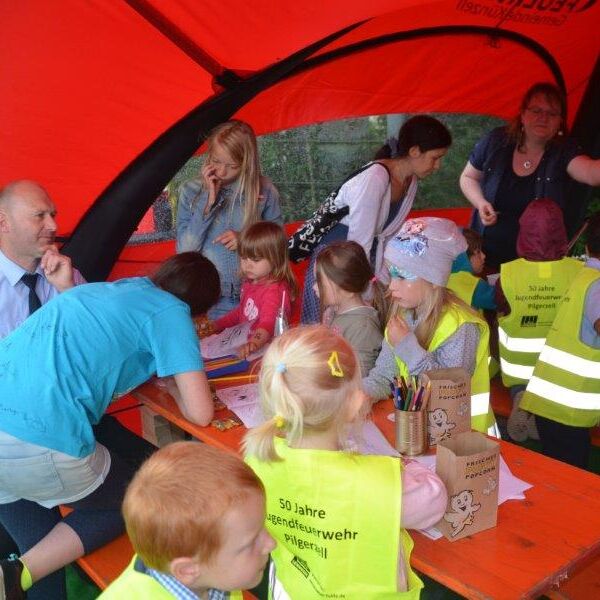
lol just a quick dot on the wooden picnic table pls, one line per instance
(536, 546)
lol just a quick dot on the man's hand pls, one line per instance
(397, 329)
(57, 269)
(229, 239)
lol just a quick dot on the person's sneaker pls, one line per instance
(532, 430)
(10, 579)
(517, 421)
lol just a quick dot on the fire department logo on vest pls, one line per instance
(529, 320)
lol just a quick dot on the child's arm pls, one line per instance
(193, 396)
(484, 296)
(258, 338)
(377, 383)
(233, 317)
(502, 305)
(424, 496)
(459, 350)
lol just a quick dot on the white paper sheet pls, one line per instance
(243, 401)
(225, 343)
(373, 442)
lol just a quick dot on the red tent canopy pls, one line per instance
(88, 86)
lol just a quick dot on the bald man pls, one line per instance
(27, 235)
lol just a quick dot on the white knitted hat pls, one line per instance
(426, 248)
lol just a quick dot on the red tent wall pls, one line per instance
(87, 86)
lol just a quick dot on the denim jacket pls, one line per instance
(493, 153)
(196, 231)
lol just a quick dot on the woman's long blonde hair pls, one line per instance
(238, 139)
(308, 378)
(430, 311)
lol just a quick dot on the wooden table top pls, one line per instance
(537, 543)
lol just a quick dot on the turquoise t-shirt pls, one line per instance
(60, 370)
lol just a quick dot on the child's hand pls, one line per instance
(229, 239)
(397, 329)
(258, 339)
(212, 183)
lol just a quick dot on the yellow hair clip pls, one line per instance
(334, 365)
(279, 421)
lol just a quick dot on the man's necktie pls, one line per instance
(30, 279)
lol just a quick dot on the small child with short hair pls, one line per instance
(268, 281)
(195, 516)
(465, 280)
(344, 279)
(339, 518)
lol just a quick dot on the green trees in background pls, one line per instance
(307, 163)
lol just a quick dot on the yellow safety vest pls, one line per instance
(534, 291)
(336, 519)
(565, 386)
(463, 284)
(482, 417)
(133, 585)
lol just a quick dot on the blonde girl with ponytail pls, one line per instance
(329, 508)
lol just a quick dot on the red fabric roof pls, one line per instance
(86, 86)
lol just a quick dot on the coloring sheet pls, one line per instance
(226, 342)
(243, 401)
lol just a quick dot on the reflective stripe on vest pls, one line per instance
(516, 371)
(562, 395)
(565, 386)
(516, 344)
(482, 416)
(320, 507)
(569, 362)
(534, 291)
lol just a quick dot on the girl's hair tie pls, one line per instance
(279, 421)
(373, 279)
(280, 367)
(334, 365)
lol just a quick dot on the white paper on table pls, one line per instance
(243, 401)
(373, 442)
(225, 343)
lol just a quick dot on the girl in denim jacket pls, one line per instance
(229, 194)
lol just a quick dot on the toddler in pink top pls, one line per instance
(268, 281)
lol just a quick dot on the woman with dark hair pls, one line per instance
(381, 195)
(60, 370)
(530, 158)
